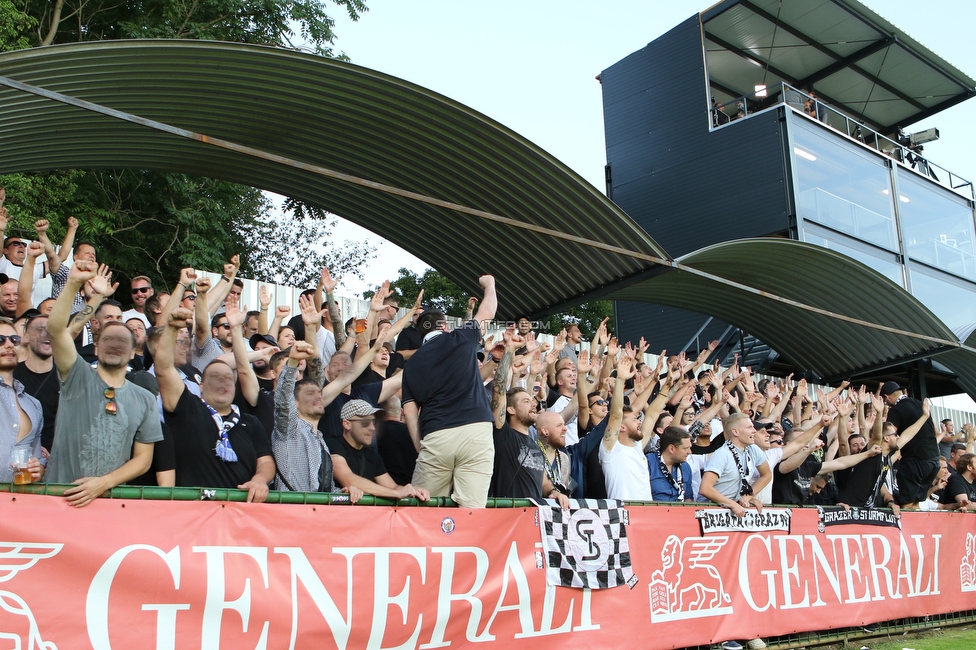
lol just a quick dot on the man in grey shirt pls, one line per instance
(106, 425)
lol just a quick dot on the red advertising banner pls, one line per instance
(143, 575)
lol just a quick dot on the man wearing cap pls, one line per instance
(142, 291)
(15, 249)
(357, 462)
(262, 368)
(446, 407)
(919, 456)
(303, 457)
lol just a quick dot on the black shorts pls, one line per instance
(915, 476)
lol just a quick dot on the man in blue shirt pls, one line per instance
(670, 473)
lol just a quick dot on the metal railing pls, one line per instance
(806, 104)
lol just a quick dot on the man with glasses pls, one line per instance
(216, 444)
(142, 290)
(106, 426)
(357, 462)
(37, 375)
(21, 417)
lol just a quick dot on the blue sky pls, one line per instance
(531, 65)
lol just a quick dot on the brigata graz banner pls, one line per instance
(142, 575)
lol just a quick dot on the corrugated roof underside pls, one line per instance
(340, 117)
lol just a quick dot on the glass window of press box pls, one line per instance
(937, 226)
(842, 187)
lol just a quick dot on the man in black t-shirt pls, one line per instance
(446, 407)
(216, 445)
(960, 491)
(355, 460)
(394, 444)
(920, 455)
(37, 375)
(519, 467)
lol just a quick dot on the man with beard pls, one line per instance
(621, 452)
(262, 366)
(100, 410)
(870, 484)
(216, 445)
(669, 470)
(303, 457)
(960, 491)
(142, 291)
(727, 473)
(558, 462)
(519, 466)
(21, 417)
(37, 375)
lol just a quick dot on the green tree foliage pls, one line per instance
(442, 294)
(199, 222)
(154, 223)
(261, 22)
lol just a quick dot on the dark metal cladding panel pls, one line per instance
(685, 185)
(667, 328)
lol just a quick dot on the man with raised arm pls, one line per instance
(726, 480)
(919, 454)
(21, 416)
(216, 445)
(446, 407)
(621, 452)
(106, 426)
(304, 458)
(520, 465)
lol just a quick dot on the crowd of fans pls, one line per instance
(188, 388)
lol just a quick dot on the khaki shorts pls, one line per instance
(458, 463)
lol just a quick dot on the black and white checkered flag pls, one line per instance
(587, 545)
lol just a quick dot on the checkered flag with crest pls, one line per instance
(586, 546)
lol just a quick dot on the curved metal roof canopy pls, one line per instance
(823, 310)
(455, 188)
(310, 128)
